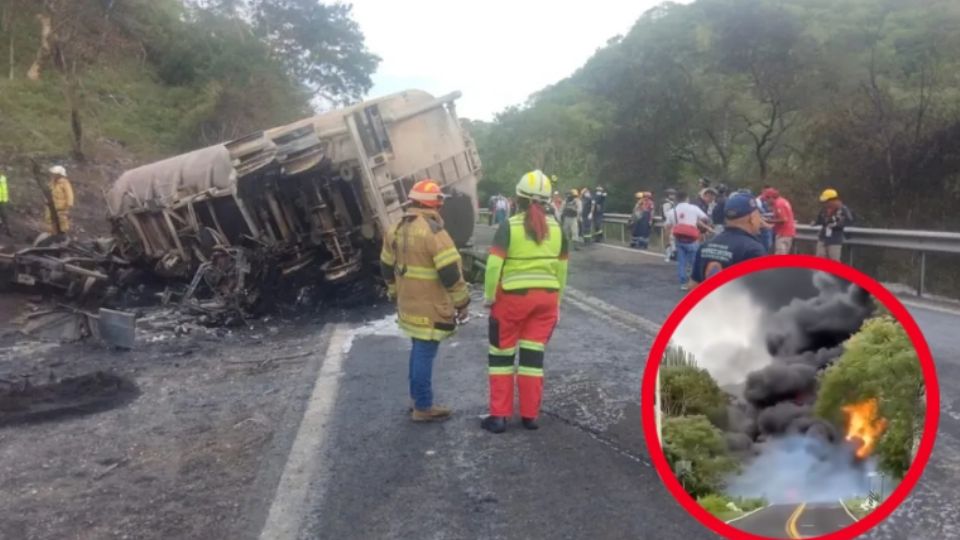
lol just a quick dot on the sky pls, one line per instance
(495, 52)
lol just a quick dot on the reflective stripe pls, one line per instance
(445, 257)
(387, 258)
(418, 272)
(424, 333)
(530, 281)
(502, 352)
(460, 296)
(530, 371)
(500, 370)
(531, 345)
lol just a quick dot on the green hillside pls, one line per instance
(860, 95)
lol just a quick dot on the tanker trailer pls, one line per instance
(294, 204)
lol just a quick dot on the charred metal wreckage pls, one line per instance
(234, 223)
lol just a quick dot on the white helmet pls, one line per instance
(58, 170)
(535, 185)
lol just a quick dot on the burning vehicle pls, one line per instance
(232, 226)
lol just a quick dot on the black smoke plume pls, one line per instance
(812, 315)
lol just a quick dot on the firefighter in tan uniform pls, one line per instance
(423, 271)
(62, 193)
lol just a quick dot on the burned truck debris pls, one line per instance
(235, 223)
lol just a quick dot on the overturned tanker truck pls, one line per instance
(240, 222)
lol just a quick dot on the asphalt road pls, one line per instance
(585, 473)
(795, 520)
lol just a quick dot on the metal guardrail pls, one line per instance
(921, 242)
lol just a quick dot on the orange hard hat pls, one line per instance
(427, 192)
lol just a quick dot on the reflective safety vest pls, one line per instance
(4, 191)
(529, 265)
(517, 262)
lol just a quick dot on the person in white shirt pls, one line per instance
(670, 248)
(685, 222)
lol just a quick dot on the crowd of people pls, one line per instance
(720, 228)
(526, 270)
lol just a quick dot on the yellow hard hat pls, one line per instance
(639, 195)
(535, 185)
(574, 192)
(828, 194)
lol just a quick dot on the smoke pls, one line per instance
(796, 468)
(789, 452)
(728, 347)
(802, 337)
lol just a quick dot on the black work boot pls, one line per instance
(494, 424)
(530, 423)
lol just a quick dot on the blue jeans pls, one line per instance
(421, 372)
(766, 238)
(686, 253)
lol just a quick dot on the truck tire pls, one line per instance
(459, 217)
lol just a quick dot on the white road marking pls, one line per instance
(847, 510)
(595, 306)
(929, 307)
(286, 513)
(750, 513)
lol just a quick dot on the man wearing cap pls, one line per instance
(784, 226)
(834, 217)
(737, 243)
(62, 194)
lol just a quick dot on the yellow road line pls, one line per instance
(792, 531)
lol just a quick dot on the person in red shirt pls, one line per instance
(784, 224)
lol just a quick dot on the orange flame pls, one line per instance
(864, 425)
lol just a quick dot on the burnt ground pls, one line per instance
(180, 457)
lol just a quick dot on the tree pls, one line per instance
(687, 390)
(879, 362)
(697, 453)
(319, 44)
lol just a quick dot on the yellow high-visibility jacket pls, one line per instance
(423, 271)
(4, 190)
(517, 262)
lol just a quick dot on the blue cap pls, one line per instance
(740, 204)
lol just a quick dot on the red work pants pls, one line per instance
(523, 320)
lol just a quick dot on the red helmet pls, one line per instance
(427, 192)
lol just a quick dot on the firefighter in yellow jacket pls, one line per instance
(525, 277)
(423, 271)
(62, 193)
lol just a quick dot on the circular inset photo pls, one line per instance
(790, 397)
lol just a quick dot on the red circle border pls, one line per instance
(881, 294)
